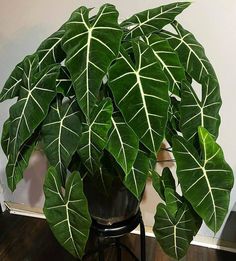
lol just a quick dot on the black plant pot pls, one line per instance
(115, 206)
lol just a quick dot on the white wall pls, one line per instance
(24, 24)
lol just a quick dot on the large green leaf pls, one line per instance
(16, 166)
(191, 53)
(203, 113)
(174, 232)
(152, 20)
(61, 132)
(205, 180)
(5, 139)
(141, 93)
(12, 86)
(36, 93)
(67, 214)
(95, 135)
(174, 202)
(169, 61)
(50, 50)
(90, 49)
(136, 179)
(123, 143)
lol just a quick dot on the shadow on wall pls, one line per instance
(30, 190)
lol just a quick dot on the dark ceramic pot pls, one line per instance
(116, 206)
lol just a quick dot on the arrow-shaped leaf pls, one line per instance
(50, 50)
(136, 179)
(203, 113)
(90, 49)
(152, 20)
(16, 166)
(174, 232)
(95, 135)
(36, 93)
(144, 87)
(60, 132)
(68, 215)
(12, 86)
(123, 143)
(205, 181)
(191, 53)
(169, 61)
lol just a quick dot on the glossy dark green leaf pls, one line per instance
(90, 48)
(95, 135)
(36, 93)
(191, 53)
(67, 213)
(61, 133)
(136, 179)
(123, 143)
(141, 93)
(174, 232)
(152, 20)
(169, 61)
(206, 179)
(204, 112)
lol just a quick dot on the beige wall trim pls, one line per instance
(24, 210)
(215, 243)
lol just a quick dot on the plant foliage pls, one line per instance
(100, 97)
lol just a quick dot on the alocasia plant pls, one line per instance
(98, 89)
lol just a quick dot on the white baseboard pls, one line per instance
(24, 210)
(203, 241)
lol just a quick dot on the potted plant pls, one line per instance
(99, 97)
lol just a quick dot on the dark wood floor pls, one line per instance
(30, 239)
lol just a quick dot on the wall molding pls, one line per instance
(24, 210)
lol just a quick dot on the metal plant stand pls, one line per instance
(115, 232)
